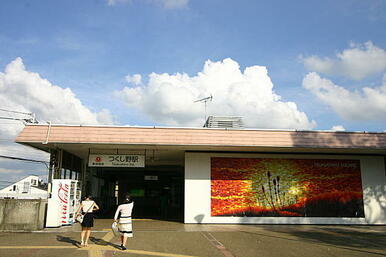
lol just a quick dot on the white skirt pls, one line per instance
(125, 227)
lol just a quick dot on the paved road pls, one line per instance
(162, 238)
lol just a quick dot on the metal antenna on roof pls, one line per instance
(29, 117)
(205, 100)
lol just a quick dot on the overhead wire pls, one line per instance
(25, 160)
(31, 116)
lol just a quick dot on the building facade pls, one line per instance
(29, 187)
(202, 175)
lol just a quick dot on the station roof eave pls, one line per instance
(80, 139)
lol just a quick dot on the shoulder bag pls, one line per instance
(80, 217)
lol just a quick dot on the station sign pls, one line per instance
(116, 160)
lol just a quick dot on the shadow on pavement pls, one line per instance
(342, 237)
(353, 239)
(99, 241)
(68, 240)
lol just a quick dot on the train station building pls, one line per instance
(207, 175)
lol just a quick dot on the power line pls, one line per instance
(31, 116)
(23, 152)
(32, 119)
(13, 149)
(24, 159)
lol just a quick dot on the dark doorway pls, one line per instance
(158, 191)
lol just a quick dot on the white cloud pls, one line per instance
(356, 62)
(365, 105)
(25, 91)
(169, 99)
(135, 79)
(338, 128)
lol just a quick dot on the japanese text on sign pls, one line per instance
(115, 160)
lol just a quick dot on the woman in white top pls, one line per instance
(124, 222)
(87, 206)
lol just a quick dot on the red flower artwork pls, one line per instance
(286, 187)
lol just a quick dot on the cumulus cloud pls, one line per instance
(26, 91)
(135, 79)
(357, 62)
(170, 99)
(365, 105)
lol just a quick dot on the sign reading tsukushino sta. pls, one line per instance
(116, 160)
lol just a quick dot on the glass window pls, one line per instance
(26, 187)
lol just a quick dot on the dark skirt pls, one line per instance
(88, 220)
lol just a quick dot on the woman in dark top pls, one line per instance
(87, 206)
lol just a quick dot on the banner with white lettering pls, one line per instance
(116, 160)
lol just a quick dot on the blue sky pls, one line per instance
(91, 46)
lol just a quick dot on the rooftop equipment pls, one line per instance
(234, 122)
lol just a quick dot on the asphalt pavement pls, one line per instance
(167, 238)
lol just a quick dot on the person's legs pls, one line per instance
(88, 232)
(124, 240)
(82, 235)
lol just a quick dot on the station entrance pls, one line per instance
(157, 191)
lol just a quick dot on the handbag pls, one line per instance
(114, 228)
(80, 217)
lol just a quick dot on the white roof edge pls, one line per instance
(204, 128)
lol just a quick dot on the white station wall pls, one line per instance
(198, 191)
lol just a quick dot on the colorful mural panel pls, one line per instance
(259, 187)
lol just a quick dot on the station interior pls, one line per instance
(156, 189)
